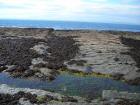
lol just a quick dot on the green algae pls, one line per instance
(84, 74)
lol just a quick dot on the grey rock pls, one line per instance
(40, 49)
(111, 94)
(11, 68)
(117, 76)
(28, 73)
(2, 68)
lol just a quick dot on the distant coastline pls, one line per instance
(69, 25)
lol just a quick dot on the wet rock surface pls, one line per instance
(2, 68)
(13, 96)
(86, 51)
(25, 32)
(134, 76)
(24, 96)
(134, 51)
(17, 51)
(27, 56)
(40, 53)
(106, 53)
(112, 97)
(127, 102)
(61, 48)
(6, 99)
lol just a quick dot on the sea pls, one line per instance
(69, 25)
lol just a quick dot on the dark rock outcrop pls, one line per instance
(61, 48)
(17, 51)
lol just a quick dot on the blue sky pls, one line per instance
(108, 11)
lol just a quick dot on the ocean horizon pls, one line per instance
(69, 25)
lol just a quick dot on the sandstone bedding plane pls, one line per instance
(42, 54)
(107, 53)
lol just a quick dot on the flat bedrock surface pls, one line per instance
(100, 52)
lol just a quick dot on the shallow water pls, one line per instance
(69, 84)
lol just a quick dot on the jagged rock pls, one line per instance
(32, 94)
(135, 81)
(68, 99)
(127, 102)
(36, 61)
(46, 71)
(11, 68)
(2, 68)
(111, 94)
(40, 49)
(117, 76)
(16, 51)
(28, 73)
(24, 101)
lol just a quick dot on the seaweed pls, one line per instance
(16, 51)
(134, 51)
(61, 48)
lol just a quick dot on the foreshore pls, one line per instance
(42, 54)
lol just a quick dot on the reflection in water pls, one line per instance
(69, 84)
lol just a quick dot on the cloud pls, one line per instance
(75, 10)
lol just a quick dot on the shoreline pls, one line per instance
(42, 53)
(74, 38)
(24, 96)
(59, 36)
(70, 29)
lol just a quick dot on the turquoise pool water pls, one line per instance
(70, 84)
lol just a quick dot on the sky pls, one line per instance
(107, 11)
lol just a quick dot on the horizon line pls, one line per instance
(73, 21)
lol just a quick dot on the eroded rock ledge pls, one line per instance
(105, 52)
(41, 52)
(33, 56)
(26, 96)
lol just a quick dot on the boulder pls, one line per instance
(45, 71)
